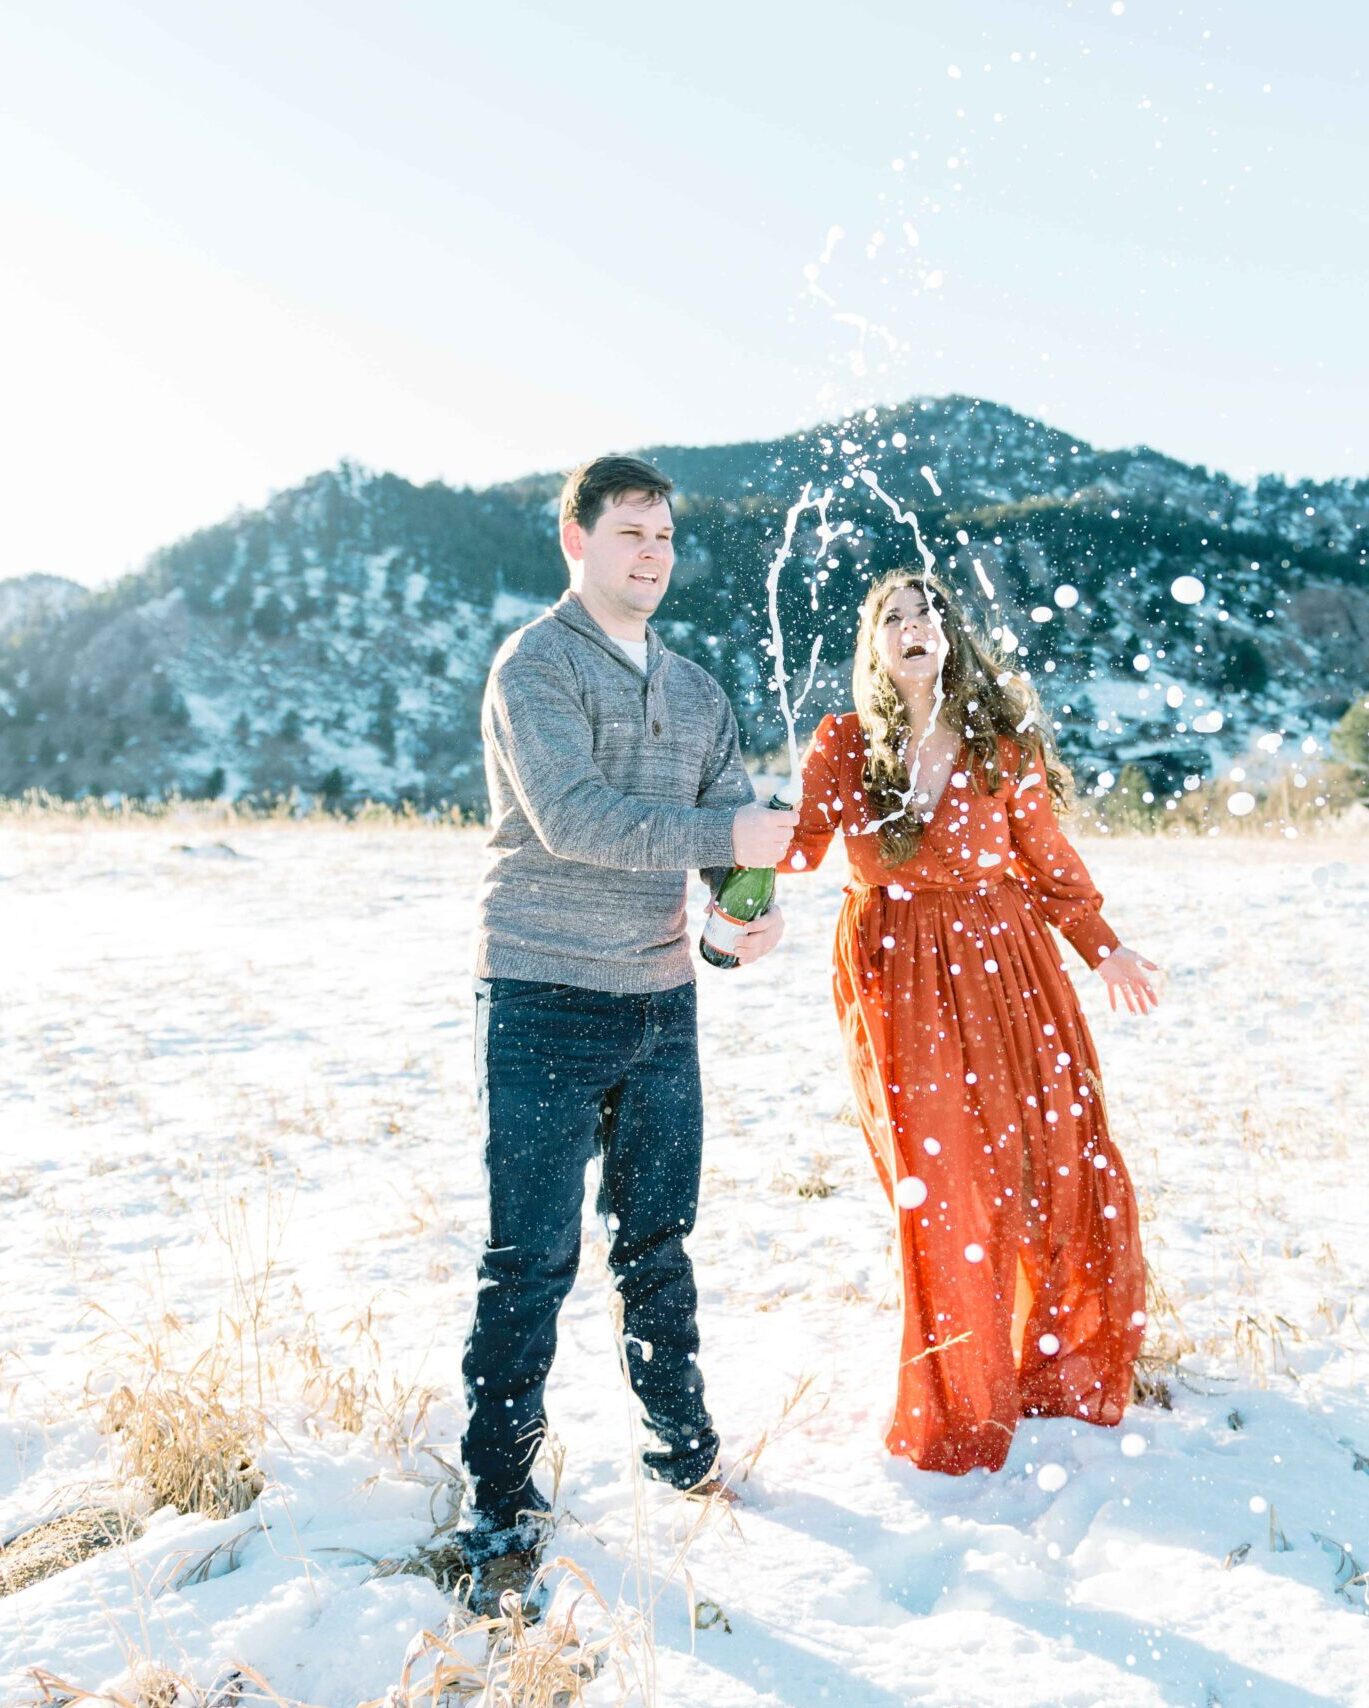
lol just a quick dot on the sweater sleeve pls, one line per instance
(820, 809)
(1054, 877)
(726, 783)
(537, 728)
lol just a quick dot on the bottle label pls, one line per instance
(721, 931)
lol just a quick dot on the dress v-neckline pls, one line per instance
(934, 812)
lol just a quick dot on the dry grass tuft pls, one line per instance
(1312, 796)
(814, 1184)
(37, 807)
(1159, 1367)
(148, 1684)
(155, 1687)
(188, 1571)
(547, 1665)
(15, 1185)
(1152, 1382)
(793, 1414)
(354, 1400)
(1261, 1340)
(185, 1446)
(442, 1561)
(39, 1552)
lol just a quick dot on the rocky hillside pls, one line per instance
(26, 601)
(336, 641)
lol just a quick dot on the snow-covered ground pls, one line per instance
(235, 1099)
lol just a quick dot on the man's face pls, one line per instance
(625, 558)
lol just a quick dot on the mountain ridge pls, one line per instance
(336, 640)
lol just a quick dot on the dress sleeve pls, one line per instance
(820, 810)
(1053, 875)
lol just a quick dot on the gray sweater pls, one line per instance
(606, 787)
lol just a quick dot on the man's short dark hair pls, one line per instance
(609, 480)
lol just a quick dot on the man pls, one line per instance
(614, 769)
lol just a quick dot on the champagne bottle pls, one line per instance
(744, 894)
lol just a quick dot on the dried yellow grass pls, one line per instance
(442, 1561)
(59, 1543)
(188, 1570)
(546, 1665)
(150, 1685)
(39, 808)
(813, 1184)
(792, 1415)
(185, 1446)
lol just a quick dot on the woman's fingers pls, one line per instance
(1135, 990)
(1136, 993)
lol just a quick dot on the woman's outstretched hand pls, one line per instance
(1126, 973)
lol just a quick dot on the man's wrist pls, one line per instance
(713, 837)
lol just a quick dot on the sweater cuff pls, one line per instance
(1091, 935)
(712, 838)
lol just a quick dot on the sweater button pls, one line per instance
(655, 726)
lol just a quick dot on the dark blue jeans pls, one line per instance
(560, 1074)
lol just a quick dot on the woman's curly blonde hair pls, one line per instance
(984, 699)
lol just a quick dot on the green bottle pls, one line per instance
(744, 894)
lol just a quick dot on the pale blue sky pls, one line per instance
(249, 239)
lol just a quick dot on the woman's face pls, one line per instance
(909, 640)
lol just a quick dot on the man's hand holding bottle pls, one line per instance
(743, 922)
(761, 835)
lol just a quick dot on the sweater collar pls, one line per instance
(570, 609)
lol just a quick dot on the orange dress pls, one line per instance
(977, 1087)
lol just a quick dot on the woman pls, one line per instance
(975, 1076)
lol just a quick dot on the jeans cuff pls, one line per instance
(485, 1537)
(683, 1470)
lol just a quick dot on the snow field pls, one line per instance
(236, 1113)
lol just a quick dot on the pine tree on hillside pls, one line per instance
(1242, 667)
(1350, 737)
(271, 618)
(382, 730)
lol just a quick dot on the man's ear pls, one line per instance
(573, 541)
